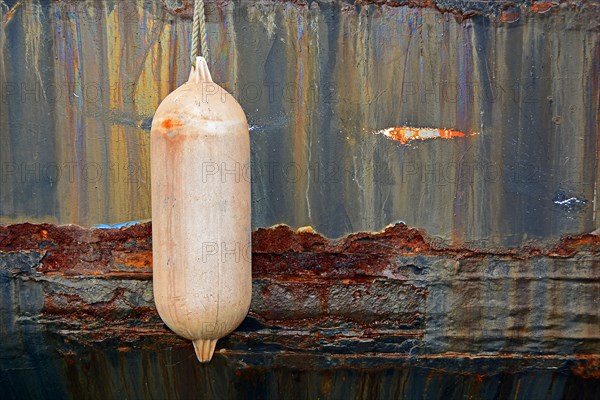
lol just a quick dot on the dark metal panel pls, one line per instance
(317, 81)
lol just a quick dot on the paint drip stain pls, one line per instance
(407, 134)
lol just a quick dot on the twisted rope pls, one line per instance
(199, 34)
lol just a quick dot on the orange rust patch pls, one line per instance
(138, 259)
(542, 7)
(406, 134)
(509, 16)
(126, 253)
(11, 13)
(587, 366)
(123, 349)
(171, 123)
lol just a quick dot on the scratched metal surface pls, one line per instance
(81, 80)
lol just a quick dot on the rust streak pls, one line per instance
(11, 13)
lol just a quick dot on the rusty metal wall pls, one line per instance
(461, 305)
(80, 82)
(373, 316)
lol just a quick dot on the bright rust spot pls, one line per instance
(587, 366)
(123, 349)
(406, 134)
(171, 123)
(11, 13)
(511, 15)
(543, 6)
(134, 259)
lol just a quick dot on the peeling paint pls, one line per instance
(543, 6)
(407, 134)
(113, 226)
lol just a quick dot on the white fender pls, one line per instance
(200, 165)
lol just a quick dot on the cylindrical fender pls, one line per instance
(200, 165)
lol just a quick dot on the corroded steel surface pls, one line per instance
(503, 10)
(397, 282)
(499, 299)
(81, 80)
(393, 312)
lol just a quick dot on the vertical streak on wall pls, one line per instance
(461, 196)
(266, 113)
(116, 150)
(222, 42)
(299, 57)
(136, 84)
(590, 79)
(94, 83)
(7, 196)
(362, 176)
(485, 205)
(16, 178)
(69, 127)
(129, 60)
(96, 98)
(351, 176)
(593, 125)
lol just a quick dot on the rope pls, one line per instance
(199, 34)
